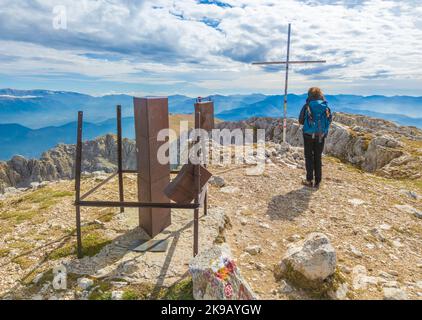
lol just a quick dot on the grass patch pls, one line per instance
(23, 262)
(22, 245)
(102, 291)
(45, 197)
(179, 291)
(19, 216)
(107, 217)
(4, 252)
(130, 295)
(92, 242)
(314, 288)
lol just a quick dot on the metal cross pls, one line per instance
(287, 63)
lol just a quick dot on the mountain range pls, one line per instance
(32, 121)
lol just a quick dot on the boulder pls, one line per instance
(217, 181)
(253, 249)
(314, 257)
(216, 276)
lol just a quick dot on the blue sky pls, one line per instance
(202, 47)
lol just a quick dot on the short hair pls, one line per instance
(315, 93)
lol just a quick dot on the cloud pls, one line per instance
(209, 45)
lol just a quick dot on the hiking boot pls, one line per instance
(307, 183)
(317, 185)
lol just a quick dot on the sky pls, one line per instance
(197, 48)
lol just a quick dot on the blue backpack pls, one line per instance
(316, 121)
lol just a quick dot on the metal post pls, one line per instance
(198, 190)
(78, 169)
(119, 155)
(206, 203)
(286, 86)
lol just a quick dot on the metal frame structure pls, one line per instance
(287, 63)
(81, 202)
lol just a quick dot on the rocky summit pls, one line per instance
(266, 236)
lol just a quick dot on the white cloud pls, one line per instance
(210, 46)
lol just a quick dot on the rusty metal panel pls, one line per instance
(206, 109)
(153, 191)
(182, 189)
(153, 113)
(151, 116)
(150, 169)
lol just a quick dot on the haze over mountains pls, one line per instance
(32, 121)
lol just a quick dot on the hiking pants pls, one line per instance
(313, 153)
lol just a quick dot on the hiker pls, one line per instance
(316, 118)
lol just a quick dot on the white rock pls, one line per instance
(37, 297)
(394, 294)
(341, 293)
(356, 202)
(410, 210)
(253, 249)
(117, 295)
(360, 278)
(37, 278)
(285, 287)
(314, 257)
(34, 185)
(229, 189)
(354, 251)
(265, 225)
(419, 284)
(85, 283)
(385, 227)
(370, 246)
(217, 181)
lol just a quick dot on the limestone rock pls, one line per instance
(216, 276)
(229, 189)
(58, 163)
(85, 283)
(360, 278)
(394, 294)
(314, 257)
(410, 210)
(253, 249)
(340, 293)
(117, 295)
(217, 181)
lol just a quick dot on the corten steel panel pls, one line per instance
(153, 113)
(154, 220)
(150, 169)
(183, 189)
(151, 116)
(153, 191)
(207, 115)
